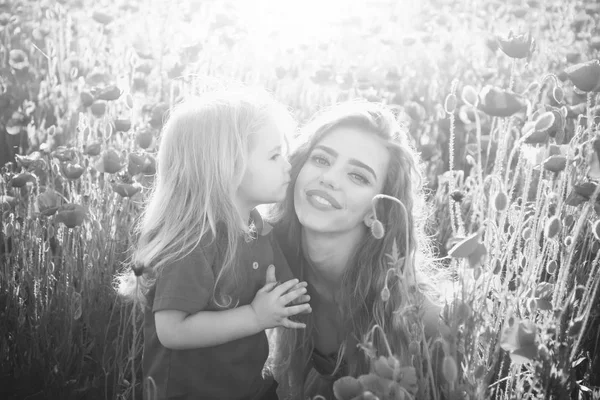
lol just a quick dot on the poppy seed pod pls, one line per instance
(71, 215)
(500, 103)
(377, 229)
(450, 103)
(517, 46)
(385, 294)
(469, 96)
(585, 76)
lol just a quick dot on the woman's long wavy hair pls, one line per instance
(360, 301)
(201, 161)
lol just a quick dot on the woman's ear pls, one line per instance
(369, 219)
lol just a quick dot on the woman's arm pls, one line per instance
(178, 330)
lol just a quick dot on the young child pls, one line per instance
(204, 252)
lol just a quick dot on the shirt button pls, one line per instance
(255, 265)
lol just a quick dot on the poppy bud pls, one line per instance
(469, 96)
(596, 229)
(501, 201)
(526, 234)
(558, 94)
(71, 215)
(544, 121)
(449, 369)
(377, 229)
(551, 267)
(7, 203)
(129, 101)
(553, 227)
(585, 76)
(385, 294)
(414, 348)
(450, 103)
(555, 163)
(98, 108)
(497, 267)
(517, 46)
(64, 154)
(568, 241)
(575, 327)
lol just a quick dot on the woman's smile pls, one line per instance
(322, 200)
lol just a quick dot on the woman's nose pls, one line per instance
(287, 167)
(329, 179)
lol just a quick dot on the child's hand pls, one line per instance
(305, 298)
(269, 304)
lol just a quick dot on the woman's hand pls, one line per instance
(270, 304)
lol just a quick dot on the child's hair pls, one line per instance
(201, 161)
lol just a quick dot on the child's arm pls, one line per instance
(179, 330)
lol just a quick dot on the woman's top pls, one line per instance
(232, 370)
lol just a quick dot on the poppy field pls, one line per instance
(501, 99)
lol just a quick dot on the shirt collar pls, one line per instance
(262, 227)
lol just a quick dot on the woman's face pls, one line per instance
(335, 186)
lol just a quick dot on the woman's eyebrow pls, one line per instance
(275, 149)
(352, 161)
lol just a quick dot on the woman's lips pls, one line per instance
(322, 200)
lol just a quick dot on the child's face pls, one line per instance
(268, 172)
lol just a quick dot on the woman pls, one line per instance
(349, 154)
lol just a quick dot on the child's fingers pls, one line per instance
(299, 309)
(293, 324)
(305, 298)
(268, 287)
(293, 295)
(284, 287)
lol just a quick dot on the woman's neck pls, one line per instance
(329, 257)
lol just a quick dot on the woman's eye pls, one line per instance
(320, 160)
(275, 156)
(359, 178)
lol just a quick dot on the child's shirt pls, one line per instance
(231, 370)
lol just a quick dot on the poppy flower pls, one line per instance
(347, 388)
(126, 189)
(144, 138)
(517, 46)
(102, 17)
(109, 93)
(500, 103)
(135, 163)
(71, 170)
(22, 179)
(122, 125)
(98, 108)
(585, 76)
(48, 202)
(109, 162)
(18, 60)
(31, 161)
(71, 215)
(93, 149)
(158, 114)
(64, 154)
(7, 203)
(87, 99)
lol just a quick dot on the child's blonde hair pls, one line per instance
(201, 161)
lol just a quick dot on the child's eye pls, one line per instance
(320, 160)
(358, 177)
